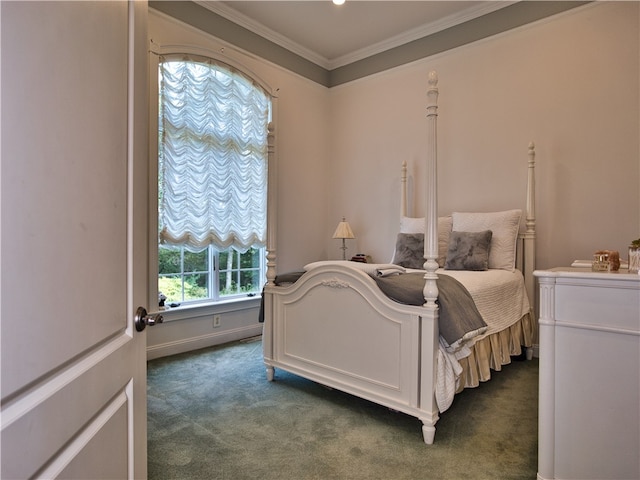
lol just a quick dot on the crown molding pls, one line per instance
(238, 18)
(259, 29)
(420, 32)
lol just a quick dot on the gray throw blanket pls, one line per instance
(458, 315)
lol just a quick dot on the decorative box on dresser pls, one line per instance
(589, 397)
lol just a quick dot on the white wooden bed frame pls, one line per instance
(338, 329)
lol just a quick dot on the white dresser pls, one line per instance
(589, 399)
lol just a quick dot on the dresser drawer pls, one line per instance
(610, 306)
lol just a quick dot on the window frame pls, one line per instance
(205, 306)
(214, 284)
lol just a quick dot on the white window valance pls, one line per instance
(213, 155)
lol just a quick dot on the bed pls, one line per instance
(332, 323)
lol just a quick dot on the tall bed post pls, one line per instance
(403, 191)
(529, 236)
(271, 205)
(272, 223)
(529, 244)
(429, 321)
(431, 196)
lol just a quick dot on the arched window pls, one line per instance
(212, 180)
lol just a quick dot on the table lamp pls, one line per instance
(344, 231)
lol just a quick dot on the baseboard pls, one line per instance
(202, 341)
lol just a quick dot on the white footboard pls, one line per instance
(334, 327)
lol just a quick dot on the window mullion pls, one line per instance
(213, 273)
(236, 273)
(182, 280)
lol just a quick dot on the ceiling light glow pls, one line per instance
(338, 2)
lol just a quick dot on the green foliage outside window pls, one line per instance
(184, 275)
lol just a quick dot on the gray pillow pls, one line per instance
(469, 250)
(409, 250)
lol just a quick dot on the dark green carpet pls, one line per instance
(213, 415)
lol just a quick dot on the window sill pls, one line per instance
(170, 314)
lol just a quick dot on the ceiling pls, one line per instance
(335, 35)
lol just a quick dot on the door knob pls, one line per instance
(142, 319)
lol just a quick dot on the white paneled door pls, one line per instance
(73, 239)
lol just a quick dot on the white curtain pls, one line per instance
(212, 156)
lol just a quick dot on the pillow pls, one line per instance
(416, 225)
(411, 225)
(503, 225)
(409, 250)
(468, 251)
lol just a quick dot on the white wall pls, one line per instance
(569, 83)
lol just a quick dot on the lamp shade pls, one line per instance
(343, 230)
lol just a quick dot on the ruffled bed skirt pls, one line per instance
(494, 351)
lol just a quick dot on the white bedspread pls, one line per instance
(500, 296)
(501, 299)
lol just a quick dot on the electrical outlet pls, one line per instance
(216, 321)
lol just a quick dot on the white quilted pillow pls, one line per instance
(416, 225)
(504, 225)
